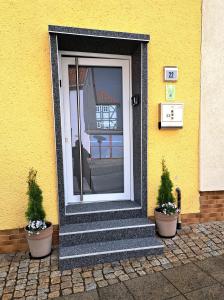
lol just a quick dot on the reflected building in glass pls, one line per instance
(101, 120)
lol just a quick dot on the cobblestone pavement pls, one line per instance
(23, 278)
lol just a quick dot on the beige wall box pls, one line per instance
(170, 73)
(171, 115)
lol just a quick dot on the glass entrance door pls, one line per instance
(96, 128)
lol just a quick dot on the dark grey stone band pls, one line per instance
(99, 33)
(86, 40)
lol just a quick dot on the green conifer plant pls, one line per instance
(165, 197)
(35, 213)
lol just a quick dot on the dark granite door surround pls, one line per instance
(99, 41)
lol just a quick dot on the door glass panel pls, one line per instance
(101, 119)
(74, 129)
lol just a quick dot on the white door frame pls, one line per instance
(92, 59)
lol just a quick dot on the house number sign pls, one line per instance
(170, 73)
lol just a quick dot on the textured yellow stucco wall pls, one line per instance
(26, 121)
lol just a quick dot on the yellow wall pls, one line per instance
(26, 122)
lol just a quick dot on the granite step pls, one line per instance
(75, 234)
(101, 252)
(101, 211)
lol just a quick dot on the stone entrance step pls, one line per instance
(101, 211)
(100, 252)
(100, 231)
(105, 231)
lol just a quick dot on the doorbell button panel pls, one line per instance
(171, 115)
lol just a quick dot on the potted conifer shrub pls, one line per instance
(166, 213)
(38, 231)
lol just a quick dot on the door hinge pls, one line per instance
(60, 83)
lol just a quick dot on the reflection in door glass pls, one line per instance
(101, 116)
(74, 129)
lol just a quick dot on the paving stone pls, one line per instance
(128, 270)
(140, 273)
(19, 294)
(91, 286)
(33, 276)
(136, 264)
(123, 277)
(77, 280)
(43, 269)
(215, 267)
(34, 270)
(31, 298)
(97, 273)
(77, 275)
(42, 290)
(43, 285)
(66, 292)
(42, 296)
(155, 263)
(55, 287)
(118, 268)
(98, 267)
(99, 278)
(110, 276)
(47, 274)
(54, 294)
(11, 282)
(87, 274)
(133, 275)
(92, 295)
(55, 274)
(65, 278)
(3, 274)
(211, 292)
(169, 266)
(118, 273)
(147, 270)
(118, 291)
(23, 270)
(66, 284)
(78, 289)
(153, 286)
(7, 297)
(102, 283)
(20, 286)
(66, 272)
(31, 293)
(8, 289)
(4, 269)
(31, 282)
(157, 269)
(55, 280)
(89, 280)
(112, 281)
(108, 270)
(163, 261)
(31, 287)
(106, 264)
(14, 275)
(45, 279)
(78, 284)
(188, 277)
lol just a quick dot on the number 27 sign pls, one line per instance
(170, 73)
